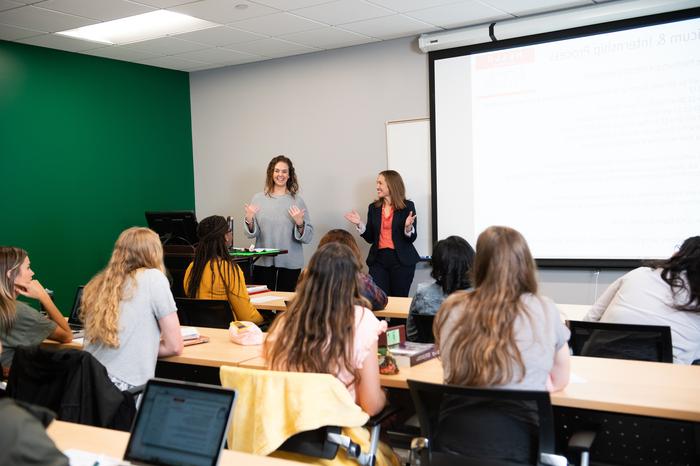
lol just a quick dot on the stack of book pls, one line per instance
(406, 353)
(255, 289)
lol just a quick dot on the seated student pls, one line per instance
(665, 292)
(23, 439)
(213, 275)
(368, 289)
(503, 333)
(452, 259)
(326, 331)
(19, 323)
(129, 312)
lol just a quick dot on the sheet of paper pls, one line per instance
(264, 299)
(87, 458)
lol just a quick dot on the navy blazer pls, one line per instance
(403, 244)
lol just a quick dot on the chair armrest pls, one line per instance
(581, 441)
(382, 416)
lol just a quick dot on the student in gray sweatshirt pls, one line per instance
(278, 219)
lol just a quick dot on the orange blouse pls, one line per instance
(385, 240)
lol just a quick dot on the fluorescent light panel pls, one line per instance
(138, 28)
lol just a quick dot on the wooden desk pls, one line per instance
(633, 387)
(398, 307)
(67, 435)
(219, 351)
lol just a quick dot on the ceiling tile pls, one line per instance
(218, 55)
(459, 14)
(277, 24)
(272, 48)
(390, 27)
(55, 41)
(328, 38)
(287, 5)
(218, 36)
(165, 46)
(408, 5)
(104, 10)
(121, 53)
(14, 33)
(174, 63)
(8, 4)
(343, 11)
(223, 11)
(520, 8)
(39, 19)
(163, 3)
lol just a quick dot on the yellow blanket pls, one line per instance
(272, 406)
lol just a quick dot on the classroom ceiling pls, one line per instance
(250, 31)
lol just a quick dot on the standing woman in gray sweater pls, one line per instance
(277, 218)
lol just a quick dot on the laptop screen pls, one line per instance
(180, 423)
(74, 318)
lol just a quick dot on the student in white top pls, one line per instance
(129, 312)
(665, 292)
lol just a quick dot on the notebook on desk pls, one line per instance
(180, 423)
(74, 322)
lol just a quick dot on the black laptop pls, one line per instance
(76, 325)
(180, 423)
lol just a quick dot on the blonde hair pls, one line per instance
(10, 261)
(484, 351)
(136, 248)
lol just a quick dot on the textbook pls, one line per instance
(408, 354)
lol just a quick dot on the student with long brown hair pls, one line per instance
(324, 330)
(391, 231)
(129, 312)
(213, 275)
(502, 333)
(278, 219)
(20, 324)
(368, 289)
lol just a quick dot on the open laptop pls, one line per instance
(180, 423)
(76, 325)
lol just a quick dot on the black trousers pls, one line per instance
(276, 278)
(388, 273)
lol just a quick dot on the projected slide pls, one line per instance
(589, 146)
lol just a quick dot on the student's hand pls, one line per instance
(297, 214)
(353, 217)
(409, 221)
(33, 290)
(250, 211)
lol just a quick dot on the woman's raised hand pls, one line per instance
(250, 211)
(297, 214)
(409, 221)
(353, 217)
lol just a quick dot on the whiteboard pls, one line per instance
(408, 152)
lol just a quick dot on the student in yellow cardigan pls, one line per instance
(212, 274)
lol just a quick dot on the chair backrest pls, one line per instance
(483, 425)
(424, 327)
(621, 341)
(213, 313)
(176, 259)
(73, 384)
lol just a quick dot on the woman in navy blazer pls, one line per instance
(391, 231)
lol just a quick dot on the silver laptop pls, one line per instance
(74, 322)
(180, 423)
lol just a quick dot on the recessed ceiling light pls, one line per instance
(138, 28)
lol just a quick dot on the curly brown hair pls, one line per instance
(292, 184)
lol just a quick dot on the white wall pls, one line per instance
(327, 112)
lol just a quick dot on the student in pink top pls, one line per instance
(391, 231)
(325, 330)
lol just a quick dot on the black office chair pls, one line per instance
(73, 384)
(621, 341)
(212, 313)
(176, 259)
(487, 427)
(424, 326)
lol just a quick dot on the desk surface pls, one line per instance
(633, 387)
(67, 435)
(397, 307)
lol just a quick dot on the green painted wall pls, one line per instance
(86, 146)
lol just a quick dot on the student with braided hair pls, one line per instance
(212, 274)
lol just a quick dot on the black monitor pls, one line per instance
(175, 227)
